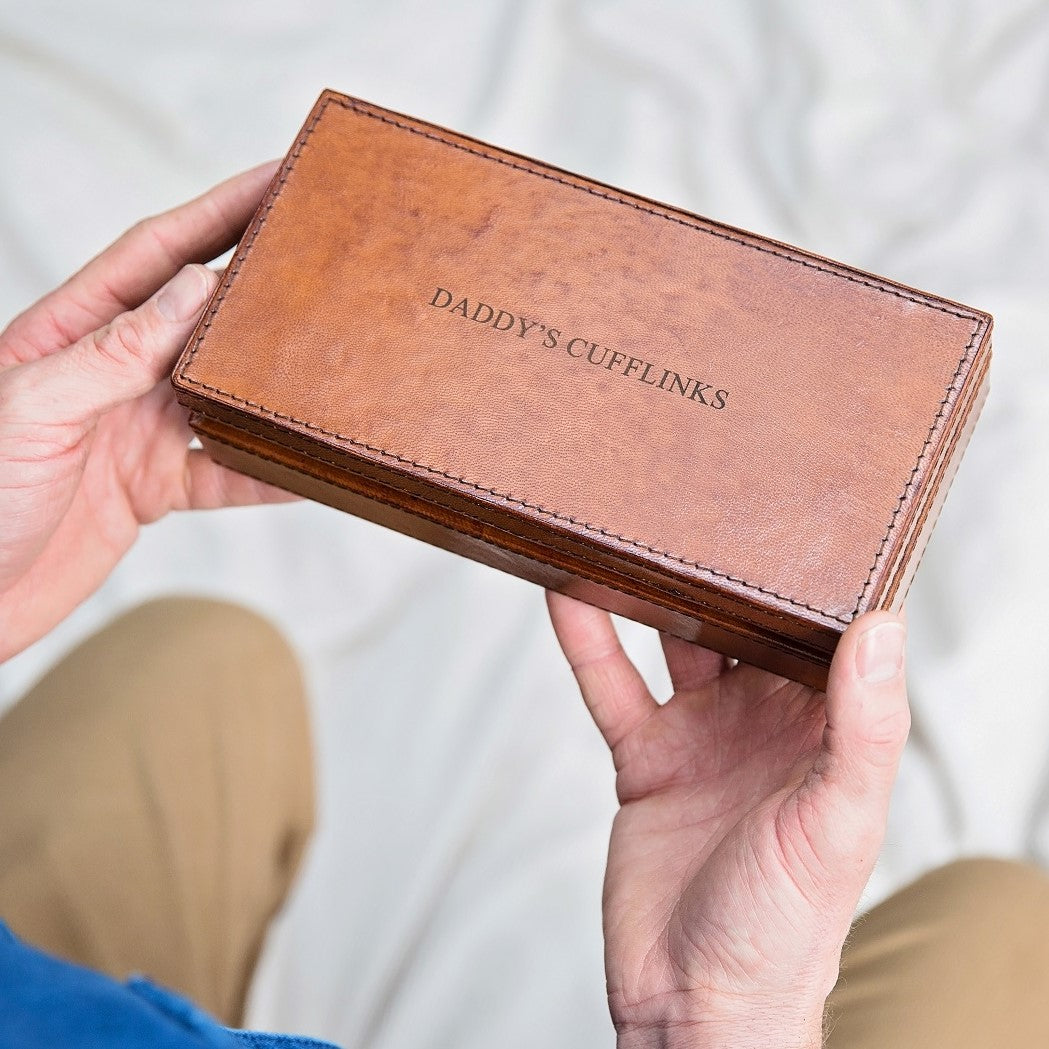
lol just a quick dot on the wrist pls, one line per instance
(738, 1025)
(765, 1034)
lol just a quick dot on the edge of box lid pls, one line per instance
(911, 500)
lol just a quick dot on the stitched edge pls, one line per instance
(486, 524)
(946, 480)
(350, 104)
(507, 498)
(914, 473)
(798, 649)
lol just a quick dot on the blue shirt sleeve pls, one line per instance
(46, 1003)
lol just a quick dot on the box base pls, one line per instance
(374, 502)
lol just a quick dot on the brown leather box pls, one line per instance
(720, 435)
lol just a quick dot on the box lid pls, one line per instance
(766, 426)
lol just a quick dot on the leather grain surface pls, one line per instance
(723, 435)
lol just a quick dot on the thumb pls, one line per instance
(868, 717)
(867, 722)
(119, 362)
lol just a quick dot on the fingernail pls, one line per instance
(879, 654)
(183, 295)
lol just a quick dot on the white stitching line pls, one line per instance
(352, 106)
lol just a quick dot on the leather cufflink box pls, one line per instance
(733, 440)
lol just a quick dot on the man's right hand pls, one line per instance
(752, 811)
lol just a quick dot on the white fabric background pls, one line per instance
(452, 895)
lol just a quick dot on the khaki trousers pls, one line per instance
(156, 797)
(957, 960)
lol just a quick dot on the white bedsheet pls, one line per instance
(452, 894)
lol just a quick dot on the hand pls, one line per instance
(752, 810)
(92, 441)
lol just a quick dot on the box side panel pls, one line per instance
(545, 565)
(894, 593)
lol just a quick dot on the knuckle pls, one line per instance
(150, 235)
(156, 232)
(890, 731)
(137, 228)
(140, 231)
(122, 341)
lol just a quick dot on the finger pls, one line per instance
(134, 266)
(210, 485)
(615, 693)
(868, 717)
(65, 393)
(691, 666)
(868, 720)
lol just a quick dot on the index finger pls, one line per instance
(614, 691)
(690, 666)
(124, 275)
